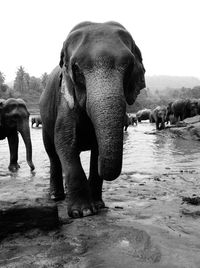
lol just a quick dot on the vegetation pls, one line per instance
(27, 87)
(30, 88)
(150, 98)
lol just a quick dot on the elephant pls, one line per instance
(127, 121)
(83, 108)
(36, 120)
(198, 106)
(133, 119)
(159, 116)
(14, 118)
(151, 117)
(143, 114)
(182, 108)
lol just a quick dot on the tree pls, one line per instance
(44, 79)
(2, 78)
(35, 84)
(21, 80)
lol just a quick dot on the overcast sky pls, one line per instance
(166, 31)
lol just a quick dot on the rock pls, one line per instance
(190, 128)
(23, 216)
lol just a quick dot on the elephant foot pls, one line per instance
(79, 205)
(57, 196)
(31, 165)
(99, 204)
(14, 167)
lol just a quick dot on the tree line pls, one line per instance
(150, 98)
(25, 86)
(30, 88)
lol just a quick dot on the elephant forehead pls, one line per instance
(14, 102)
(97, 41)
(95, 32)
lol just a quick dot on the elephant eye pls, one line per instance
(78, 75)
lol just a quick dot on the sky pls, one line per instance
(166, 31)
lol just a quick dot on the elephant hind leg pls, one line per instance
(56, 178)
(95, 182)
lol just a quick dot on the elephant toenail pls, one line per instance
(76, 214)
(87, 212)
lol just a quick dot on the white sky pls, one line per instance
(167, 32)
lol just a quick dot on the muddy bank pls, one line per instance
(188, 128)
(147, 223)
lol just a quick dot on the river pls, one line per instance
(146, 152)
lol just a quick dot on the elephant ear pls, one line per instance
(66, 84)
(135, 80)
(1, 110)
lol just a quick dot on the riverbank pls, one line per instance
(146, 224)
(188, 128)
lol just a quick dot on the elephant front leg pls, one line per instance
(78, 193)
(13, 142)
(95, 181)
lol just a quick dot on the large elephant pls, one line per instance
(83, 108)
(182, 109)
(159, 116)
(36, 120)
(14, 118)
(143, 114)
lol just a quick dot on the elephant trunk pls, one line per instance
(106, 108)
(23, 128)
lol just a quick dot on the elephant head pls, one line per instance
(102, 69)
(159, 114)
(15, 117)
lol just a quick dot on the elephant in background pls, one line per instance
(198, 106)
(133, 119)
(151, 118)
(83, 108)
(127, 121)
(182, 109)
(143, 114)
(159, 116)
(36, 120)
(14, 118)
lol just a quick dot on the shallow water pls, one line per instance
(146, 152)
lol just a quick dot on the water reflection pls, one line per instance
(148, 151)
(145, 152)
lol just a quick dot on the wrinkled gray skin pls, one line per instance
(159, 116)
(14, 118)
(143, 114)
(83, 108)
(36, 120)
(182, 109)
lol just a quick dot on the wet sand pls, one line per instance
(146, 224)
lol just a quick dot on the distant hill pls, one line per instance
(161, 82)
